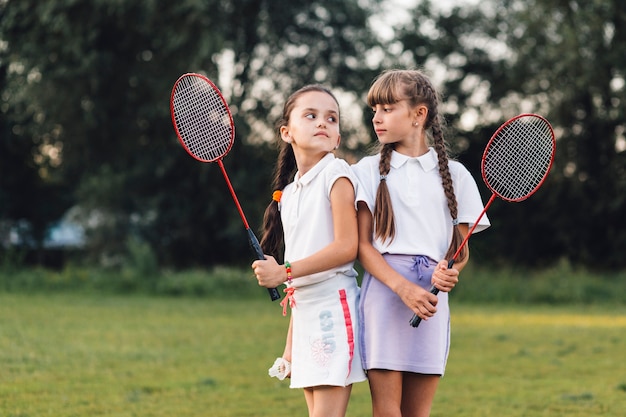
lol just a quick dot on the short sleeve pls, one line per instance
(367, 180)
(339, 168)
(469, 200)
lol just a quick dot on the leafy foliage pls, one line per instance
(84, 119)
(89, 82)
(560, 59)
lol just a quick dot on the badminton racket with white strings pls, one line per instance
(515, 163)
(205, 127)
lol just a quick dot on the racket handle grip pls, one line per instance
(415, 320)
(254, 243)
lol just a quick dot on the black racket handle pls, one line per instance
(254, 243)
(416, 320)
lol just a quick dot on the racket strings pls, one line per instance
(202, 119)
(519, 158)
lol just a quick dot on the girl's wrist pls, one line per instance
(288, 271)
(399, 287)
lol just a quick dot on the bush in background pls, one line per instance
(562, 284)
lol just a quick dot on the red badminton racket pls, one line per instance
(205, 127)
(515, 163)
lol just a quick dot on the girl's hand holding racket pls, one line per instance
(205, 127)
(268, 272)
(444, 278)
(515, 163)
(416, 298)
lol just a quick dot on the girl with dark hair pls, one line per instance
(414, 208)
(312, 219)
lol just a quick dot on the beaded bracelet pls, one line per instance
(288, 268)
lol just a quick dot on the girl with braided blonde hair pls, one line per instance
(415, 206)
(310, 238)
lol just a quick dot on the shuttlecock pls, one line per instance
(281, 369)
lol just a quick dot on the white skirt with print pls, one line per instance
(325, 347)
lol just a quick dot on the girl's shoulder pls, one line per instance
(368, 160)
(457, 167)
(366, 168)
(338, 167)
(460, 174)
(338, 164)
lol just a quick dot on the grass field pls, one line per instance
(78, 355)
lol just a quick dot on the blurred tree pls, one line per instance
(28, 187)
(561, 59)
(85, 100)
(85, 119)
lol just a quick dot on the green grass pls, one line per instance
(535, 361)
(71, 354)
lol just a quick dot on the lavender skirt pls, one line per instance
(387, 340)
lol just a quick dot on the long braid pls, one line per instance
(433, 122)
(384, 224)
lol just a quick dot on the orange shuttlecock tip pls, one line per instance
(276, 195)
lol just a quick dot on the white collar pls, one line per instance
(427, 161)
(312, 173)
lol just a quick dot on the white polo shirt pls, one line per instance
(307, 217)
(420, 208)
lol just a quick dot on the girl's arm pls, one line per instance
(281, 368)
(288, 342)
(341, 250)
(415, 297)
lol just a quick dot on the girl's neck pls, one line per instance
(412, 150)
(306, 162)
(413, 145)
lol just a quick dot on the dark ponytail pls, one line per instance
(272, 241)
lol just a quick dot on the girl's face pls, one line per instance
(403, 125)
(393, 122)
(313, 125)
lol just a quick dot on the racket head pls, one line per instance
(518, 157)
(201, 117)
